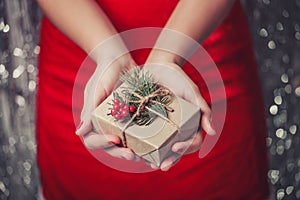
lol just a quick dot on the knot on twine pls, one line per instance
(143, 102)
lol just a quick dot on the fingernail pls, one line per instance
(78, 128)
(114, 143)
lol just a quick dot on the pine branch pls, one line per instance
(142, 84)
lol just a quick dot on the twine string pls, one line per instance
(144, 100)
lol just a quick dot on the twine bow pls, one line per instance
(143, 101)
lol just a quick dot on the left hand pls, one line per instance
(174, 78)
(99, 86)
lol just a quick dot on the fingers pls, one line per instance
(189, 146)
(169, 162)
(206, 122)
(166, 164)
(121, 152)
(94, 140)
(137, 158)
(108, 143)
(83, 128)
(179, 148)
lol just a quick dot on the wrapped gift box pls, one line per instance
(151, 142)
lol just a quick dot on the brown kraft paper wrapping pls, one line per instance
(154, 141)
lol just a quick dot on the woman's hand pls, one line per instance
(173, 77)
(87, 25)
(182, 26)
(99, 86)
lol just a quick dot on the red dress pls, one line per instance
(236, 168)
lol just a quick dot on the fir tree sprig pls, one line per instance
(140, 84)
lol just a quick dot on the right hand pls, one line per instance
(98, 88)
(174, 78)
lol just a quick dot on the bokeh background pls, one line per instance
(275, 28)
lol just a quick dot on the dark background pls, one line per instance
(275, 28)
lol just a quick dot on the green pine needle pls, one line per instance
(142, 83)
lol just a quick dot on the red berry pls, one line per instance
(117, 116)
(131, 109)
(121, 104)
(124, 113)
(125, 107)
(116, 101)
(116, 107)
(113, 112)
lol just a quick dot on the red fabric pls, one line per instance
(236, 168)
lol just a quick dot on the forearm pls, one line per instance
(196, 19)
(83, 21)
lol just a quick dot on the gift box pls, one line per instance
(152, 140)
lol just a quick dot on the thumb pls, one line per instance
(83, 128)
(206, 122)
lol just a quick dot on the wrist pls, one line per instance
(125, 61)
(110, 50)
(164, 56)
(173, 47)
